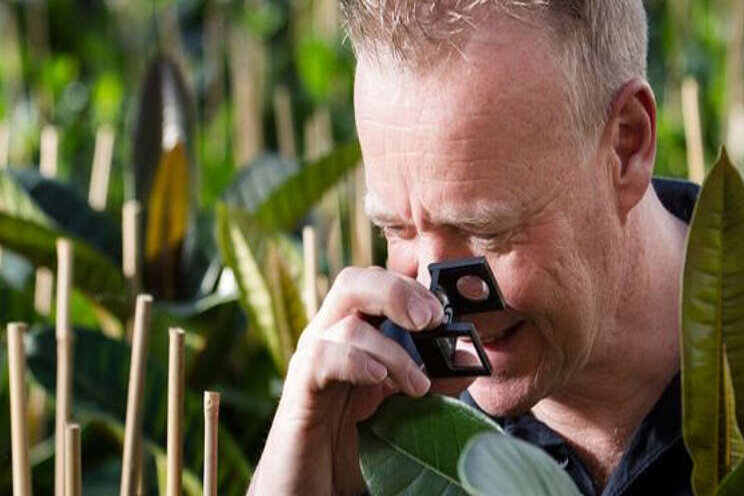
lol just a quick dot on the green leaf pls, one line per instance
(5, 447)
(100, 380)
(733, 483)
(712, 319)
(412, 446)
(278, 193)
(500, 464)
(69, 211)
(165, 178)
(95, 274)
(269, 294)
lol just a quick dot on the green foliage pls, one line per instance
(413, 445)
(269, 293)
(712, 322)
(278, 193)
(499, 464)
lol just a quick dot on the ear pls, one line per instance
(630, 135)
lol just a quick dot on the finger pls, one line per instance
(324, 362)
(401, 367)
(376, 292)
(456, 385)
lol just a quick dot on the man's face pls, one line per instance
(477, 158)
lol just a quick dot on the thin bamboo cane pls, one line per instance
(175, 411)
(247, 70)
(47, 168)
(284, 122)
(211, 424)
(4, 152)
(133, 427)
(131, 264)
(73, 469)
(361, 228)
(693, 134)
(65, 268)
(18, 428)
(4, 145)
(99, 177)
(48, 152)
(311, 271)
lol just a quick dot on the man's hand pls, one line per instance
(343, 369)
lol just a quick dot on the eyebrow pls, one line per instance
(478, 218)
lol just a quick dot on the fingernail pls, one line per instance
(437, 311)
(420, 313)
(419, 381)
(376, 370)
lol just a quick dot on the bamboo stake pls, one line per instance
(131, 265)
(4, 152)
(43, 291)
(99, 177)
(247, 64)
(175, 411)
(693, 134)
(48, 152)
(64, 359)
(73, 470)
(47, 168)
(18, 428)
(284, 122)
(211, 424)
(133, 428)
(361, 228)
(4, 145)
(311, 271)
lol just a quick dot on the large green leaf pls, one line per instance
(69, 211)
(5, 446)
(278, 193)
(412, 446)
(500, 464)
(712, 323)
(95, 274)
(100, 390)
(165, 179)
(269, 293)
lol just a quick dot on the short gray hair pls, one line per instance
(603, 43)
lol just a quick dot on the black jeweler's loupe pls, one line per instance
(464, 287)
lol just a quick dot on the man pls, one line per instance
(525, 132)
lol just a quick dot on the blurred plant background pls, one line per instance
(232, 125)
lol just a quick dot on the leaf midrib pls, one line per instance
(423, 463)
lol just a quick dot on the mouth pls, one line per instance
(502, 335)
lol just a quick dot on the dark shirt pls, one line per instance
(656, 461)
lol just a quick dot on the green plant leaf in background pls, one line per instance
(278, 193)
(95, 274)
(70, 212)
(412, 446)
(100, 391)
(500, 464)
(165, 178)
(712, 318)
(269, 294)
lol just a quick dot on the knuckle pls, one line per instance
(398, 293)
(349, 329)
(346, 276)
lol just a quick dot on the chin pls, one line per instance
(507, 397)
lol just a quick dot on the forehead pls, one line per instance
(489, 127)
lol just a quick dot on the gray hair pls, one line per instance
(602, 43)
